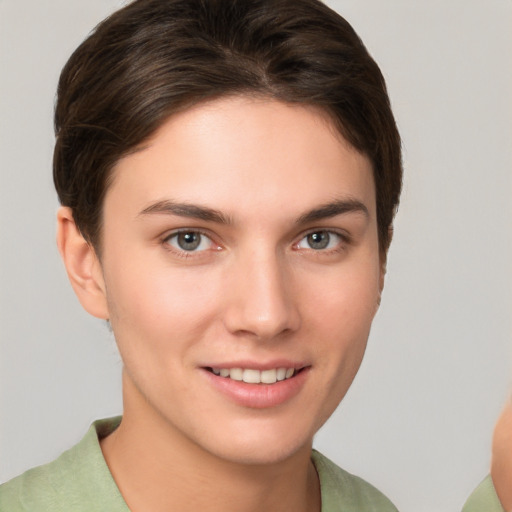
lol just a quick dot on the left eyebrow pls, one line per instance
(332, 209)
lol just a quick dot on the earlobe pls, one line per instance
(82, 265)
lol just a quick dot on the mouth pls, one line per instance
(253, 376)
(266, 387)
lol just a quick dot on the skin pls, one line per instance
(255, 291)
(501, 466)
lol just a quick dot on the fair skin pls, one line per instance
(242, 237)
(501, 466)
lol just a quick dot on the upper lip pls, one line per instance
(253, 365)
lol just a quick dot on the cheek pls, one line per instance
(340, 317)
(348, 299)
(342, 328)
(158, 305)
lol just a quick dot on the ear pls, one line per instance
(382, 276)
(383, 264)
(82, 265)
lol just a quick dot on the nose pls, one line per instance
(260, 302)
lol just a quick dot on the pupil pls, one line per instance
(318, 240)
(189, 241)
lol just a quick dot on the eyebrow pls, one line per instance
(186, 210)
(332, 209)
(325, 211)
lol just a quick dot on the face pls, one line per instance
(241, 270)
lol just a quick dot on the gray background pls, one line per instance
(418, 421)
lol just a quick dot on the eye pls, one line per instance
(320, 240)
(189, 241)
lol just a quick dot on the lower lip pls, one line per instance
(258, 396)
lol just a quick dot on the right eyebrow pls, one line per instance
(192, 211)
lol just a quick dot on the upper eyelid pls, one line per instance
(345, 240)
(165, 242)
(343, 233)
(175, 232)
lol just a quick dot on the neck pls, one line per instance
(158, 468)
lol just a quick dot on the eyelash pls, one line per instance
(341, 246)
(182, 253)
(344, 240)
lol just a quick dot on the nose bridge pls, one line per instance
(263, 304)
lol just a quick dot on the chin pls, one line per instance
(268, 456)
(261, 447)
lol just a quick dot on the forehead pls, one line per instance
(245, 154)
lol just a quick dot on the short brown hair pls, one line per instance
(154, 58)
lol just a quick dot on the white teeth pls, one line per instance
(281, 373)
(268, 376)
(236, 373)
(252, 376)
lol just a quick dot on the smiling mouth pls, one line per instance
(251, 376)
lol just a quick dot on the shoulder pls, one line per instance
(36, 489)
(74, 482)
(343, 491)
(483, 499)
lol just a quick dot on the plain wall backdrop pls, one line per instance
(418, 420)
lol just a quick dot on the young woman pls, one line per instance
(228, 173)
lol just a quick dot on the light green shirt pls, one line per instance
(484, 499)
(80, 481)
